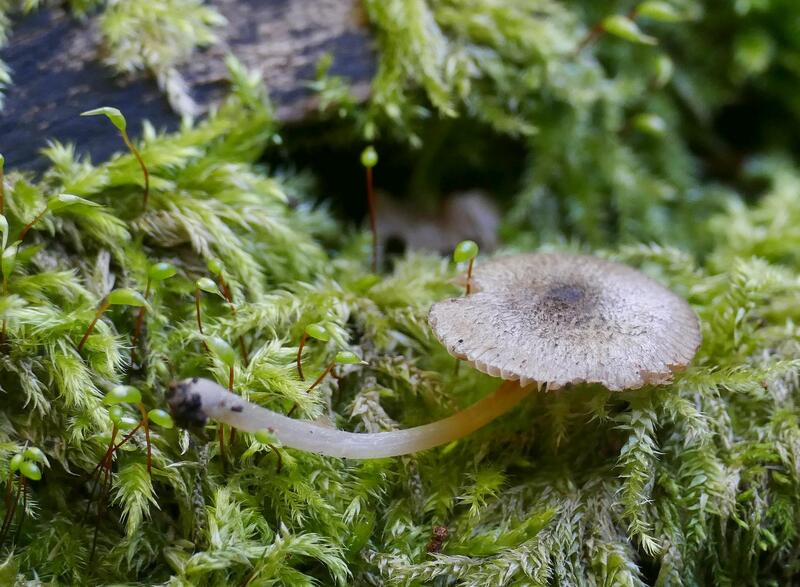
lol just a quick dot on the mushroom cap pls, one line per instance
(558, 318)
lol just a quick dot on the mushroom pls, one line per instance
(561, 319)
(549, 319)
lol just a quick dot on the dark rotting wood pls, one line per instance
(57, 69)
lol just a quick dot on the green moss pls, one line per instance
(693, 483)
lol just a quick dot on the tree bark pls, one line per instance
(58, 72)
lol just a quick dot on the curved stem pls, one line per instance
(197, 308)
(469, 275)
(139, 159)
(137, 328)
(321, 376)
(197, 399)
(30, 224)
(146, 426)
(300, 348)
(100, 311)
(319, 379)
(373, 224)
(226, 293)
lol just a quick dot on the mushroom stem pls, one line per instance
(195, 400)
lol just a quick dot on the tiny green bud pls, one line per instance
(659, 11)
(127, 422)
(9, 260)
(624, 28)
(121, 418)
(30, 470)
(161, 271)
(15, 463)
(113, 114)
(125, 297)
(214, 266)
(123, 394)
(4, 230)
(2, 162)
(33, 453)
(369, 157)
(465, 251)
(206, 285)
(754, 51)
(650, 124)
(265, 436)
(222, 349)
(349, 358)
(62, 201)
(318, 331)
(161, 417)
(663, 71)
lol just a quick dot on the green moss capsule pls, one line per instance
(222, 350)
(214, 266)
(207, 285)
(465, 251)
(33, 453)
(123, 394)
(624, 28)
(161, 417)
(121, 418)
(62, 201)
(650, 124)
(659, 11)
(125, 297)
(318, 331)
(161, 271)
(15, 463)
(30, 470)
(113, 114)
(348, 358)
(369, 157)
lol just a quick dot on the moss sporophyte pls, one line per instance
(537, 320)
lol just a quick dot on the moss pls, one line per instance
(693, 483)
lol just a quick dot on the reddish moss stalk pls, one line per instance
(197, 308)
(137, 328)
(373, 224)
(469, 275)
(100, 311)
(30, 224)
(300, 348)
(318, 380)
(226, 292)
(138, 156)
(597, 31)
(146, 426)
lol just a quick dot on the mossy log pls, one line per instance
(57, 67)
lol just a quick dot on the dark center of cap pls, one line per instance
(565, 294)
(185, 406)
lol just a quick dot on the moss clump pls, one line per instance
(694, 483)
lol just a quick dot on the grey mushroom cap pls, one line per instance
(559, 319)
